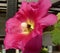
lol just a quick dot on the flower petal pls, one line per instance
(13, 41)
(12, 33)
(44, 6)
(9, 41)
(33, 45)
(13, 25)
(28, 9)
(20, 15)
(25, 7)
(29, 51)
(50, 19)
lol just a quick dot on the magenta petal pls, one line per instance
(44, 6)
(25, 7)
(34, 45)
(26, 10)
(13, 25)
(8, 41)
(13, 41)
(28, 51)
(50, 19)
(12, 22)
(32, 42)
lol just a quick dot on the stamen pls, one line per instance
(24, 24)
(26, 27)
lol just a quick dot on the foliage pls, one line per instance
(56, 34)
(55, 31)
(58, 15)
(44, 50)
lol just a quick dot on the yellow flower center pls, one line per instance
(27, 27)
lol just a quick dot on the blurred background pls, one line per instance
(8, 9)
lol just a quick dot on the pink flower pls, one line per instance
(24, 30)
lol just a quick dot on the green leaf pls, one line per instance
(44, 50)
(56, 34)
(57, 25)
(58, 15)
(49, 28)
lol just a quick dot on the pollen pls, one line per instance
(27, 27)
